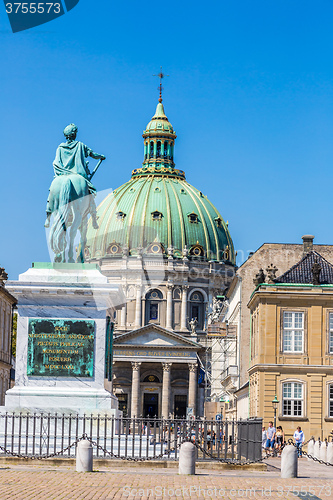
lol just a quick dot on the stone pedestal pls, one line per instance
(61, 338)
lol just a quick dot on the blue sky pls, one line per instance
(250, 96)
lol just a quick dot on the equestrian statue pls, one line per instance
(71, 197)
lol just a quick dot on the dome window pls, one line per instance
(113, 248)
(165, 152)
(156, 215)
(155, 248)
(157, 190)
(158, 149)
(193, 218)
(120, 215)
(197, 251)
(183, 191)
(218, 221)
(151, 150)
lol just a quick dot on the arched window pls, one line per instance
(293, 399)
(165, 150)
(153, 305)
(152, 379)
(158, 149)
(197, 309)
(151, 150)
(146, 150)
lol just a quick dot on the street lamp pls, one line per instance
(275, 404)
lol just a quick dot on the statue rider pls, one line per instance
(70, 159)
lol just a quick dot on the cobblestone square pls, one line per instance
(44, 482)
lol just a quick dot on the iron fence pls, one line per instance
(44, 434)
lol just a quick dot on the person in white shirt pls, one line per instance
(299, 440)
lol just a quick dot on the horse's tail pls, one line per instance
(61, 217)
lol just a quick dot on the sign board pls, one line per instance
(218, 416)
(61, 348)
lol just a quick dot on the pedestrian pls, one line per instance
(299, 440)
(270, 437)
(279, 440)
(264, 438)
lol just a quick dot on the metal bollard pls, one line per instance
(330, 453)
(316, 450)
(323, 451)
(84, 457)
(289, 462)
(310, 447)
(187, 458)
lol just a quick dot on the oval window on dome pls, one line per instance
(132, 190)
(183, 191)
(157, 190)
(197, 251)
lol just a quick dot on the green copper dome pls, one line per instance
(158, 211)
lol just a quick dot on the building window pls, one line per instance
(153, 303)
(330, 400)
(197, 309)
(165, 150)
(292, 399)
(293, 332)
(330, 334)
(158, 149)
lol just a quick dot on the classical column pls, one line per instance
(169, 307)
(166, 389)
(183, 326)
(123, 317)
(135, 398)
(138, 307)
(192, 386)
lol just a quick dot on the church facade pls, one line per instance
(171, 251)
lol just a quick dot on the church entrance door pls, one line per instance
(150, 405)
(180, 405)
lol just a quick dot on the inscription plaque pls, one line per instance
(61, 348)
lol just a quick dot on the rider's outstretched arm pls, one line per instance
(96, 156)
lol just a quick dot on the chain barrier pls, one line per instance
(315, 459)
(42, 457)
(104, 450)
(231, 461)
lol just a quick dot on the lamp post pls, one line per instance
(275, 404)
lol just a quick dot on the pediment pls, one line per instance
(155, 336)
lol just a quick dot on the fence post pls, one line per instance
(289, 462)
(323, 451)
(187, 458)
(84, 456)
(311, 447)
(316, 450)
(330, 453)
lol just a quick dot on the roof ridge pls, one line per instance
(299, 272)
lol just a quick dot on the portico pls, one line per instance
(155, 372)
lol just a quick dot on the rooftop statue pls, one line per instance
(71, 197)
